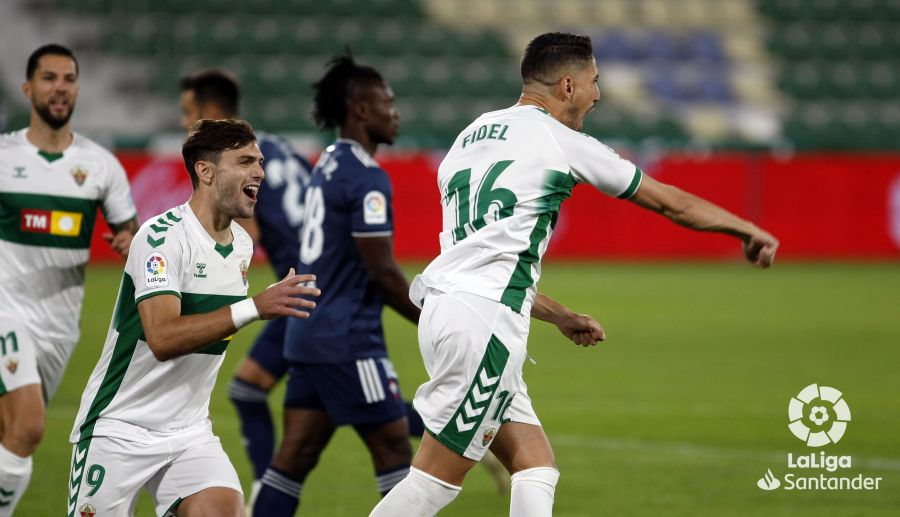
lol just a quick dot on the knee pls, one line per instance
(24, 434)
(297, 458)
(391, 450)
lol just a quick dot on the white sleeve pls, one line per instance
(118, 206)
(155, 263)
(593, 162)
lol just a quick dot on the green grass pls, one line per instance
(678, 413)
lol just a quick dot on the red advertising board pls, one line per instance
(821, 206)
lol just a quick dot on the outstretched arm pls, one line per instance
(696, 213)
(581, 329)
(171, 335)
(378, 256)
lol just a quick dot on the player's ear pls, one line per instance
(205, 171)
(26, 89)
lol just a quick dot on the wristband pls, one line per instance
(243, 313)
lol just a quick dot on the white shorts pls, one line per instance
(473, 349)
(108, 473)
(25, 360)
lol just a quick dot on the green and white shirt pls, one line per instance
(501, 186)
(131, 394)
(48, 205)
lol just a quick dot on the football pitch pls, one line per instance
(679, 412)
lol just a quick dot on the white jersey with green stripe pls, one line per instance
(501, 187)
(48, 205)
(131, 394)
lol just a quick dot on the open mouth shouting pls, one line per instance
(250, 191)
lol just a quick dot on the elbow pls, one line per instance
(159, 348)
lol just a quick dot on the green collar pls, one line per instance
(50, 157)
(225, 250)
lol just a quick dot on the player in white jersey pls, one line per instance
(144, 416)
(52, 181)
(502, 183)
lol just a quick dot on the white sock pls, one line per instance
(418, 495)
(532, 492)
(15, 472)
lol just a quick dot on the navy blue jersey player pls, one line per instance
(214, 94)
(339, 371)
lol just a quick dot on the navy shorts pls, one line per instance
(268, 350)
(360, 392)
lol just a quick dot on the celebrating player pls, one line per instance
(502, 183)
(144, 419)
(339, 370)
(215, 94)
(51, 182)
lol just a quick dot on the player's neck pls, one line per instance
(46, 138)
(358, 135)
(216, 224)
(547, 103)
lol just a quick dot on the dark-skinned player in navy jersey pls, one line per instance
(215, 94)
(339, 372)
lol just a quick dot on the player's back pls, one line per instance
(348, 197)
(502, 183)
(279, 210)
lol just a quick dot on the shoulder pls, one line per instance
(242, 240)
(12, 142)
(164, 227)
(86, 145)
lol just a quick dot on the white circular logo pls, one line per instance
(818, 415)
(66, 223)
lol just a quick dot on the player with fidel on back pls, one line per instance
(144, 416)
(502, 183)
(51, 182)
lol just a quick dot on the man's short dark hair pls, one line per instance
(549, 54)
(339, 84)
(214, 85)
(51, 49)
(208, 139)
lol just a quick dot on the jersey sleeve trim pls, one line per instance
(155, 293)
(372, 234)
(635, 183)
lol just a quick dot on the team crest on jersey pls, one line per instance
(375, 208)
(488, 436)
(12, 365)
(79, 174)
(155, 272)
(87, 510)
(244, 272)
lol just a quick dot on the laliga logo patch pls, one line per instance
(818, 415)
(155, 271)
(375, 208)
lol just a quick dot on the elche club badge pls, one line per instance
(244, 268)
(79, 174)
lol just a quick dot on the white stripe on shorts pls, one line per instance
(370, 380)
(363, 381)
(376, 381)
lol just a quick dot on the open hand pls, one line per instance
(283, 298)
